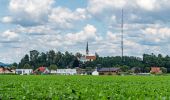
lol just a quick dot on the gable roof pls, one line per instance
(91, 57)
(41, 69)
(5, 69)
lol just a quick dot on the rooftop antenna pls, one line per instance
(122, 36)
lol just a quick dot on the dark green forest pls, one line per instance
(55, 60)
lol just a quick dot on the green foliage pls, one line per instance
(75, 63)
(53, 67)
(124, 68)
(164, 70)
(49, 87)
(68, 60)
(13, 67)
(27, 66)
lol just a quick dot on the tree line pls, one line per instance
(54, 60)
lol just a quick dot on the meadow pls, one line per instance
(53, 87)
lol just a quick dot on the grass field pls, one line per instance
(84, 87)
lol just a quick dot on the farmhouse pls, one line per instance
(109, 71)
(4, 70)
(156, 70)
(42, 70)
(66, 71)
(24, 71)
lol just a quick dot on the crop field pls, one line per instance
(84, 87)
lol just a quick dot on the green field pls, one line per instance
(85, 87)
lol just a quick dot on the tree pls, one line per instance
(23, 61)
(14, 65)
(53, 67)
(124, 68)
(34, 58)
(147, 69)
(67, 59)
(78, 55)
(27, 66)
(42, 60)
(51, 57)
(164, 70)
(75, 63)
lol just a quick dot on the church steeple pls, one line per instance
(87, 49)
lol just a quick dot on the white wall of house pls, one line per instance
(24, 71)
(95, 73)
(67, 71)
(53, 71)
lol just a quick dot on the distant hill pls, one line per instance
(3, 64)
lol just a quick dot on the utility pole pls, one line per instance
(122, 36)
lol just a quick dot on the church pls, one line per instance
(87, 57)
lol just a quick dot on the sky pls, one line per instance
(67, 25)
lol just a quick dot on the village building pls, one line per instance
(87, 57)
(24, 71)
(5, 70)
(67, 71)
(42, 70)
(136, 70)
(109, 71)
(156, 70)
(90, 58)
(95, 72)
(81, 71)
(53, 71)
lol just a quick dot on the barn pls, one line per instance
(109, 71)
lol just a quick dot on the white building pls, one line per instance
(95, 72)
(53, 71)
(67, 71)
(87, 57)
(24, 71)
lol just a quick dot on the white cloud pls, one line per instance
(7, 19)
(30, 12)
(135, 11)
(64, 17)
(98, 6)
(111, 36)
(45, 26)
(157, 35)
(88, 33)
(148, 4)
(9, 35)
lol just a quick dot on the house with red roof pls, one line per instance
(87, 57)
(156, 70)
(42, 70)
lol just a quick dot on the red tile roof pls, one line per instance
(41, 69)
(155, 69)
(91, 57)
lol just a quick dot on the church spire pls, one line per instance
(87, 49)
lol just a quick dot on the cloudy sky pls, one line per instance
(66, 25)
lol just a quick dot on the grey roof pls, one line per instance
(108, 69)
